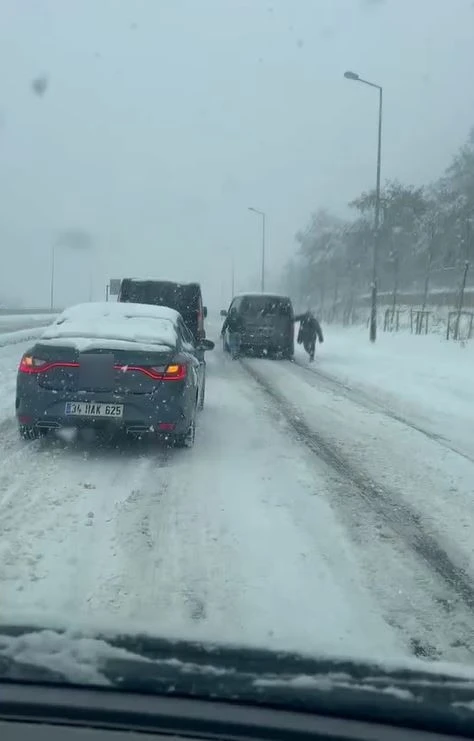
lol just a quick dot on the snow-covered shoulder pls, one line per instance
(107, 324)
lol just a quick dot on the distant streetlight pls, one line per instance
(373, 312)
(262, 214)
(53, 255)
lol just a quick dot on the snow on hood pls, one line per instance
(111, 325)
(77, 658)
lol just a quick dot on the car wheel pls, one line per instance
(187, 440)
(288, 352)
(30, 432)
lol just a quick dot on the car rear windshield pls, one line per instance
(265, 306)
(178, 296)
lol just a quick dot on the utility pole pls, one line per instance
(53, 252)
(262, 214)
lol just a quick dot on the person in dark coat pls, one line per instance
(233, 322)
(309, 330)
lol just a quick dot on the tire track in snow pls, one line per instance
(80, 527)
(387, 506)
(362, 399)
(55, 520)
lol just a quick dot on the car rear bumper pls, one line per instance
(141, 412)
(263, 341)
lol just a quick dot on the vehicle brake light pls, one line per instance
(175, 372)
(30, 364)
(26, 364)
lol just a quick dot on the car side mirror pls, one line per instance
(204, 311)
(223, 312)
(206, 345)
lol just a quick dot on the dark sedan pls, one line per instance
(113, 366)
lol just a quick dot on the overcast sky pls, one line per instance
(163, 120)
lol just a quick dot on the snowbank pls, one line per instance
(24, 320)
(423, 378)
(21, 335)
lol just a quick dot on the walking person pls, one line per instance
(309, 330)
(233, 323)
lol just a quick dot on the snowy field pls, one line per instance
(324, 507)
(12, 322)
(15, 329)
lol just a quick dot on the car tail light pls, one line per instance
(174, 372)
(30, 364)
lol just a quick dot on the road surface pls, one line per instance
(300, 519)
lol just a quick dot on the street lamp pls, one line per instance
(262, 214)
(373, 311)
(53, 254)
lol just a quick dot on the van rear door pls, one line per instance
(268, 320)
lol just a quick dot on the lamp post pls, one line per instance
(51, 289)
(373, 310)
(262, 214)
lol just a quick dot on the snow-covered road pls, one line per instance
(300, 519)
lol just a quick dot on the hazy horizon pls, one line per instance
(163, 121)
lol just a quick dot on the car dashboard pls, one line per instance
(30, 712)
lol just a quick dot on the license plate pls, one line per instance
(93, 409)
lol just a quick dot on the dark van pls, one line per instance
(183, 297)
(267, 323)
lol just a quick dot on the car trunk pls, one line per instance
(121, 372)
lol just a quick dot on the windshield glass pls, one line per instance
(297, 474)
(264, 306)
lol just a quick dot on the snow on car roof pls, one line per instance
(115, 326)
(108, 309)
(163, 280)
(261, 294)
